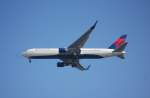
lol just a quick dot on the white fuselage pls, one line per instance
(59, 53)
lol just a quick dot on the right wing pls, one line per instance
(77, 45)
(81, 41)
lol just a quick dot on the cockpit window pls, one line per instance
(31, 49)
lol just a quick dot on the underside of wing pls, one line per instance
(82, 40)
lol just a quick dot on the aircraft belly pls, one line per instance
(90, 56)
(96, 53)
(56, 54)
(45, 57)
(81, 56)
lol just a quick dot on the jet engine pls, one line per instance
(60, 64)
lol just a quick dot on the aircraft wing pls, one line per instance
(81, 41)
(76, 64)
(80, 67)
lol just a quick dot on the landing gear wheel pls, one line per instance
(29, 60)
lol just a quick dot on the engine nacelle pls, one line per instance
(60, 64)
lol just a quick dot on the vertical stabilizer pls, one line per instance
(119, 45)
(118, 42)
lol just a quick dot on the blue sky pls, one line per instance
(53, 23)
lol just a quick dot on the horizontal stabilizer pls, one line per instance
(121, 56)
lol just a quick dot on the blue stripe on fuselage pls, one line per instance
(82, 56)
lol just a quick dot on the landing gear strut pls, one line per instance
(29, 60)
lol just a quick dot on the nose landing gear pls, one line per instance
(29, 60)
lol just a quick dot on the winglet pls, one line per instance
(94, 25)
(88, 67)
(80, 67)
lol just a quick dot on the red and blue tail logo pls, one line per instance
(118, 42)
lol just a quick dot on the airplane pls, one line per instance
(71, 55)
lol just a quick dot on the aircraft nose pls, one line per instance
(24, 54)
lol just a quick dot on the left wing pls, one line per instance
(75, 63)
(81, 41)
(80, 67)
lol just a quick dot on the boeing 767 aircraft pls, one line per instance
(71, 55)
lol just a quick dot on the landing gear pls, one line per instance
(29, 60)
